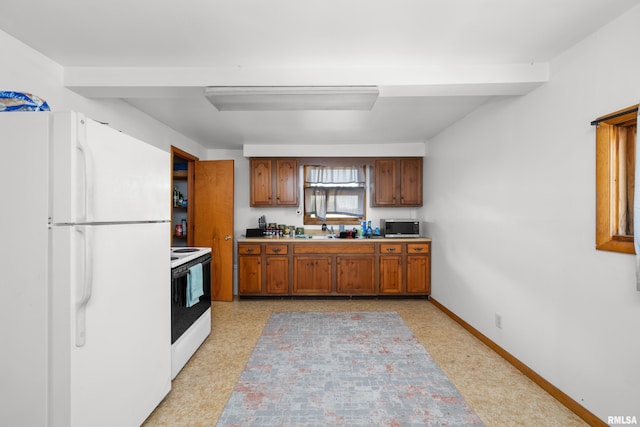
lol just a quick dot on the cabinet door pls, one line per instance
(385, 184)
(418, 274)
(411, 182)
(312, 275)
(249, 275)
(277, 275)
(355, 275)
(286, 182)
(261, 182)
(391, 274)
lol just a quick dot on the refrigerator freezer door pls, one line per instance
(102, 175)
(111, 323)
(25, 291)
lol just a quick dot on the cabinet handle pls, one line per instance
(391, 249)
(277, 250)
(249, 249)
(417, 249)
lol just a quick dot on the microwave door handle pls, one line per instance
(86, 286)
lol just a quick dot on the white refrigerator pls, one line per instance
(85, 294)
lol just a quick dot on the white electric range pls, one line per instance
(190, 324)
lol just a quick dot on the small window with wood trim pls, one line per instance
(334, 194)
(615, 179)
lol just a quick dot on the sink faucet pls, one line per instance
(324, 228)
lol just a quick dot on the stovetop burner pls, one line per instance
(185, 250)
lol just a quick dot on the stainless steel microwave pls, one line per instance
(400, 227)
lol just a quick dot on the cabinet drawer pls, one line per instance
(389, 248)
(418, 248)
(276, 249)
(249, 249)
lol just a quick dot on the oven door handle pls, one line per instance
(86, 285)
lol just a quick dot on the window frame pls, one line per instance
(607, 159)
(310, 220)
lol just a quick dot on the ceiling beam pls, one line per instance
(450, 80)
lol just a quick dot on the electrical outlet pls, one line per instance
(498, 321)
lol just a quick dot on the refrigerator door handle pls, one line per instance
(86, 286)
(83, 148)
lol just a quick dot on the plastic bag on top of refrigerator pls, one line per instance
(21, 101)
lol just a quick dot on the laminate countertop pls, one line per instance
(320, 239)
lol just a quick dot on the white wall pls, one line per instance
(510, 200)
(23, 69)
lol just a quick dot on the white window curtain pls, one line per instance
(334, 191)
(334, 175)
(323, 201)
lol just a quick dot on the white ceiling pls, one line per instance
(433, 60)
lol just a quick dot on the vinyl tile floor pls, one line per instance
(497, 392)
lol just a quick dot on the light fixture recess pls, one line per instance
(283, 98)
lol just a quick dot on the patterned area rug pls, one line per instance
(344, 368)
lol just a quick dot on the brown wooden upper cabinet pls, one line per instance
(397, 182)
(274, 182)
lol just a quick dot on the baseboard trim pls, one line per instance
(559, 395)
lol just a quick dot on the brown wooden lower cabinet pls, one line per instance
(312, 275)
(418, 268)
(277, 276)
(369, 267)
(249, 275)
(391, 274)
(355, 275)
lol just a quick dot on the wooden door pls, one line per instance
(249, 275)
(286, 182)
(261, 182)
(213, 221)
(312, 274)
(411, 182)
(418, 274)
(390, 274)
(277, 276)
(385, 176)
(355, 275)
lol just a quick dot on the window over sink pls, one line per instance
(334, 194)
